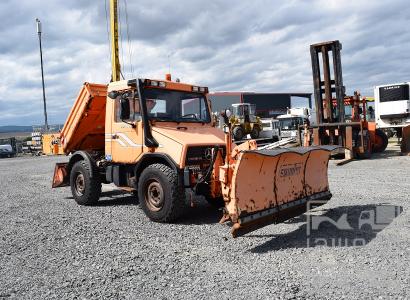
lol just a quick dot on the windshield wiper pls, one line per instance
(187, 116)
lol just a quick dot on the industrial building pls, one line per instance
(268, 105)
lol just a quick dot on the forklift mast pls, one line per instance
(327, 88)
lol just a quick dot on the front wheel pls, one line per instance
(161, 197)
(86, 189)
(238, 133)
(380, 141)
(216, 202)
(255, 133)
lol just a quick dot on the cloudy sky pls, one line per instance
(227, 45)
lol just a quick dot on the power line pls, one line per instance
(128, 39)
(108, 31)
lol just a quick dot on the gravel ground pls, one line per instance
(52, 248)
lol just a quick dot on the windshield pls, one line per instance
(176, 106)
(290, 124)
(244, 109)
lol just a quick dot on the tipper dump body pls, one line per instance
(84, 128)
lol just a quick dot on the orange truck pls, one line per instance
(157, 139)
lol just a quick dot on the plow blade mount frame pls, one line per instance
(271, 186)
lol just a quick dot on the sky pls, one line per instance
(259, 46)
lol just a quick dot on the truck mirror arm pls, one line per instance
(149, 140)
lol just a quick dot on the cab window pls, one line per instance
(135, 113)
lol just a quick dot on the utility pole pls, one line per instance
(115, 60)
(42, 74)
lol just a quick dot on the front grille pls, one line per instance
(200, 154)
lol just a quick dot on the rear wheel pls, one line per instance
(86, 189)
(380, 141)
(255, 132)
(238, 133)
(161, 197)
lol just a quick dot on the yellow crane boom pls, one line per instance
(115, 60)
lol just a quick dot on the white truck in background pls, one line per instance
(270, 129)
(392, 111)
(289, 123)
(392, 105)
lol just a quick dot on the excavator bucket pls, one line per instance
(270, 186)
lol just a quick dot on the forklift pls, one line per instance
(341, 120)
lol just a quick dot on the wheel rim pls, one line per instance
(79, 184)
(154, 195)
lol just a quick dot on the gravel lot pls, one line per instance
(52, 248)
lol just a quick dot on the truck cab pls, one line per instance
(290, 122)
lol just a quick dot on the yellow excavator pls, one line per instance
(156, 137)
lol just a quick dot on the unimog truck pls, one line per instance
(156, 138)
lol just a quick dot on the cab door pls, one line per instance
(126, 136)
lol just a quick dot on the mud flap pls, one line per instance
(60, 177)
(270, 186)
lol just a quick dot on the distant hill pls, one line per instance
(15, 128)
(12, 128)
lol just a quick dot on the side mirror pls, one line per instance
(113, 94)
(226, 114)
(125, 108)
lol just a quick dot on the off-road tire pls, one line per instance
(86, 190)
(255, 132)
(215, 202)
(383, 139)
(161, 197)
(238, 133)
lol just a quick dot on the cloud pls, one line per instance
(256, 45)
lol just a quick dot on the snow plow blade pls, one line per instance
(271, 186)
